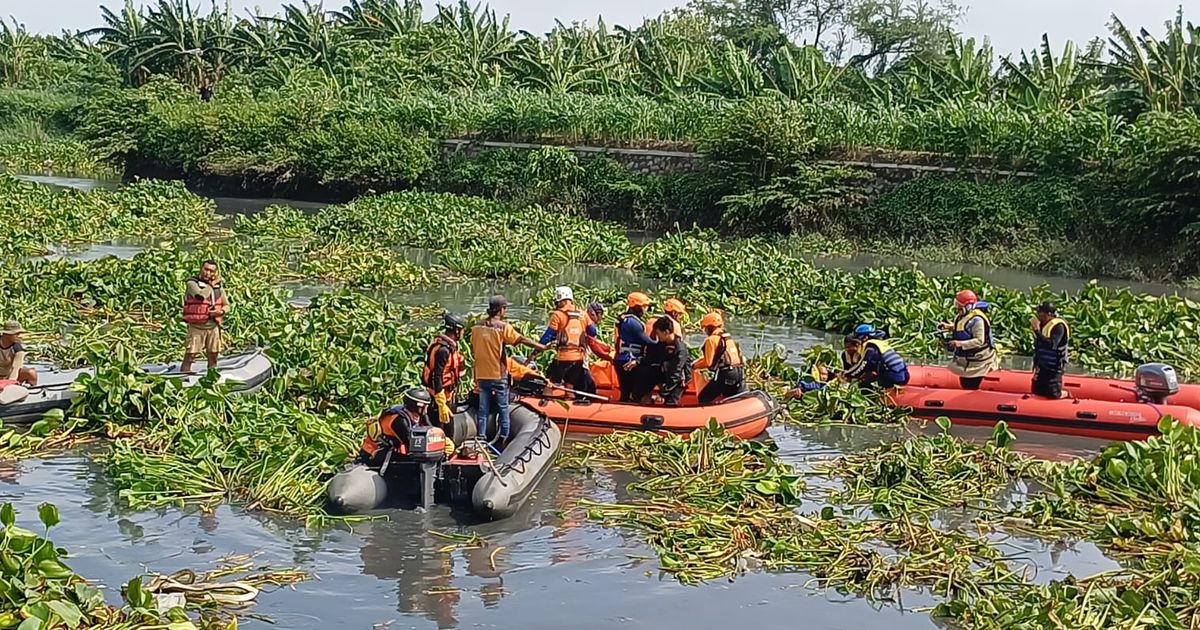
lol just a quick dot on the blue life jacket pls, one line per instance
(965, 322)
(893, 367)
(1050, 356)
(630, 349)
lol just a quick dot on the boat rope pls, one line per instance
(531, 450)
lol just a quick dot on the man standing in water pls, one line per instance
(490, 339)
(204, 307)
(1051, 338)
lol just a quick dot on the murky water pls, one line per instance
(545, 568)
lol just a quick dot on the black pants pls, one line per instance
(1047, 382)
(635, 384)
(726, 383)
(573, 374)
(970, 383)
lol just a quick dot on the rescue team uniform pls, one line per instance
(444, 368)
(490, 340)
(392, 429)
(204, 326)
(632, 343)
(724, 358)
(879, 363)
(1050, 347)
(570, 333)
(978, 356)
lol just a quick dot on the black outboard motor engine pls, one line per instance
(427, 444)
(1154, 382)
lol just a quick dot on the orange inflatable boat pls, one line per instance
(1096, 407)
(744, 416)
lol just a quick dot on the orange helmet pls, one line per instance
(636, 299)
(712, 319)
(674, 306)
(966, 297)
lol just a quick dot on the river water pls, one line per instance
(545, 568)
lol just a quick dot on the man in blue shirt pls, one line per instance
(635, 379)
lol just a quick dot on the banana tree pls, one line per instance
(1042, 80)
(18, 51)
(379, 19)
(1161, 74)
(120, 38)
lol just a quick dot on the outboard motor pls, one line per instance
(1154, 382)
(427, 444)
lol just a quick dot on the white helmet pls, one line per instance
(563, 293)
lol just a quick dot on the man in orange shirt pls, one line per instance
(490, 340)
(568, 334)
(723, 356)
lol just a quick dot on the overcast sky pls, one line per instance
(1011, 24)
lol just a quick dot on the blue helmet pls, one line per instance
(865, 330)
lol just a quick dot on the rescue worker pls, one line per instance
(518, 369)
(490, 340)
(568, 333)
(723, 357)
(819, 377)
(676, 368)
(595, 312)
(878, 363)
(635, 379)
(12, 356)
(971, 341)
(393, 429)
(1051, 340)
(204, 307)
(444, 368)
(673, 310)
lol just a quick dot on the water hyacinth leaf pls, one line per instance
(68, 612)
(943, 423)
(54, 570)
(48, 514)
(1001, 436)
(8, 516)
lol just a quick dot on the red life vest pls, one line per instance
(197, 310)
(455, 366)
(373, 442)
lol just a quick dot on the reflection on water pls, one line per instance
(77, 183)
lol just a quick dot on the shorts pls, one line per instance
(203, 340)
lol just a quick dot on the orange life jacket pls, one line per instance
(571, 342)
(728, 354)
(455, 368)
(197, 310)
(373, 442)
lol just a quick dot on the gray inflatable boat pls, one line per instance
(495, 486)
(246, 371)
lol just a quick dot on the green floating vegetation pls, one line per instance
(61, 156)
(713, 506)
(1113, 330)
(38, 590)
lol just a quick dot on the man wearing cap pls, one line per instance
(490, 340)
(444, 368)
(12, 356)
(1051, 340)
(204, 307)
(569, 330)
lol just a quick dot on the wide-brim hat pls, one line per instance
(12, 327)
